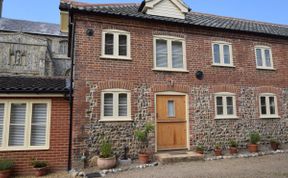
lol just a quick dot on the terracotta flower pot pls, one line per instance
(200, 152)
(274, 146)
(233, 150)
(218, 152)
(106, 163)
(5, 173)
(143, 158)
(253, 148)
(41, 171)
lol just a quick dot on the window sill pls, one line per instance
(270, 117)
(116, 120)
(116, 57)
(226, 118)
(265, 68)
(22, 149)
(223, 65)
(170, 70)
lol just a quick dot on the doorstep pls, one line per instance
(176, 156)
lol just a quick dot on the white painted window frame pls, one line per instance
(224, 95)
(115, 116)
(116, 34)
(268, 115)
(263, 48)
(169, 40)
(28, 124)
(221, 45)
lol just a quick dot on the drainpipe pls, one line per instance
(72, 41)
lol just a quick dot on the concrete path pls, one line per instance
(271, 166)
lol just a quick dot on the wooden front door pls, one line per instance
(171, 122)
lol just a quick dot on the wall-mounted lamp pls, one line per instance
(199, 75)
(89, 32)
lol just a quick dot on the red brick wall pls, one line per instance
(130, 74)
(57, 155)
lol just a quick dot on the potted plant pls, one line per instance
(218, 150)
(41, 167)
(254, 139)
(142, 137)
(107, 159)
(274, 144)
(5, 168)
(233, 147)
(200, 149)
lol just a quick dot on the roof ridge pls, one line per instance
(34, 77)
(106, 4)
(25, 20)
(241, 19)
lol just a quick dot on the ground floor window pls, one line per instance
(225, 105)
(115, 105)
(24, 124)
(268, 105)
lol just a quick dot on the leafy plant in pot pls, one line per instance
(5, 168)
(233, 147)
(200, 149)
(274, 144)
(41, 167)
(142, 137)
(218, 150)
(106, 158)
(254, 139)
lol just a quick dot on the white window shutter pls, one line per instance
(38, 125)
(108, 104)
(1, 123)
(161, 53)
(17, 124)
(122, 111)
(177, 54)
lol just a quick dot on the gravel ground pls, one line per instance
(271, 166)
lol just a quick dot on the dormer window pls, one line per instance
(116, 44)
(165, 8)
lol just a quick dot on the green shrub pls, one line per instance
(254, 138)
(274, 142)
(233, 143)
(5, 164)
(200, 148)
(142, 135)
(217, 146)
(39, 164)
(106, 149)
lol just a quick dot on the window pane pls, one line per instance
(177, 54)
(259, 57)
(171, 108)
(267, 58)
(161, 53)
(272, 105)
(263, 105)
(229, 105)
(17, 125)
(108, 104)
(122, 111)
(1, 122)
(219, 102)
(216, 49)
(122, 45)
(39, 121)
(226, 54)
(109, 41)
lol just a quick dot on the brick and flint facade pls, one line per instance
(94, 73)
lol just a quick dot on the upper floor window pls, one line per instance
(222, 54)
(268, 106)
(116, 44)
(264, 57)
(169, 53)
(24, 124)
(115, 105)
(63, 47)
(225, 105)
